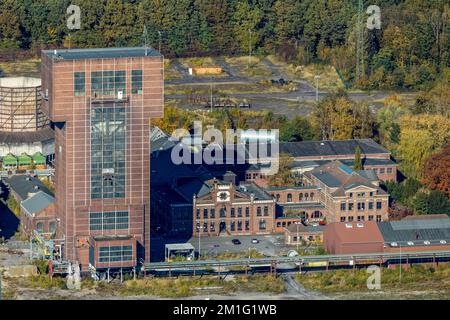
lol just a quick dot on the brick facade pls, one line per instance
(72, 117)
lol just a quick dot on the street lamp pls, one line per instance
(400, 261)
(317, 77)
(249, 47)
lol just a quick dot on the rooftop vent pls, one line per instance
(348, 225)
(28, 178)
(322, 144)
(36, 187)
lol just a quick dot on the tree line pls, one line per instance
(409, 51)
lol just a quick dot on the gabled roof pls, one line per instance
(357, 232)
(342, 178)
(37, 202)
(331, 148)
(24, 184)
(294, 227)
(416, 231)
(252, 188)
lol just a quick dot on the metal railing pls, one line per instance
(330, 259)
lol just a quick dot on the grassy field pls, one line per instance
(329, 79)
(42, 287)
(30, 68)
(352, 284)
(245, 69)
(226, 88)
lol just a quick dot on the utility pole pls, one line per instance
(211, 94)
(400, 262)
(199, 243)
(159, 37)
(297, 238)
(249, 47)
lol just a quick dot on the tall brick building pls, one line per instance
(100, 102)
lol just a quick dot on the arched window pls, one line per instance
(306, 196)
(289, 197)
(311, 195)
(300, 196)
(40, 227)
(262, 224)
(52, 227)
(317, 214)
(278, 197)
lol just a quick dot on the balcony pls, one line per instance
(112, 97)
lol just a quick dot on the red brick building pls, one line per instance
(245, 209)
(349, 195)
(38, 213)
(100, 102)
(355, 237)
(407, 235)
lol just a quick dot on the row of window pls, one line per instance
(360, 194)
(115, 254)
(361, 206)
(51, 227)
(232, 226)
(99, 221)
(308, 238)
(382, 170)
(233, 212)
(301, 197)
(361, 218)
(107, 82)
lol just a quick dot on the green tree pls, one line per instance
(420, 203)
(246, 18)
(358, 162)
(438, 203)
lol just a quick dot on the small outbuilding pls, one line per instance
(353, 237)
(298, 233)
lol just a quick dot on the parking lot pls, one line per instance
(268, 245)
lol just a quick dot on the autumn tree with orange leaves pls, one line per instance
(436, 171)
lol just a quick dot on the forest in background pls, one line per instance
(411, 50)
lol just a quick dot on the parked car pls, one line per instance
(254, 240)
(236, 241)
